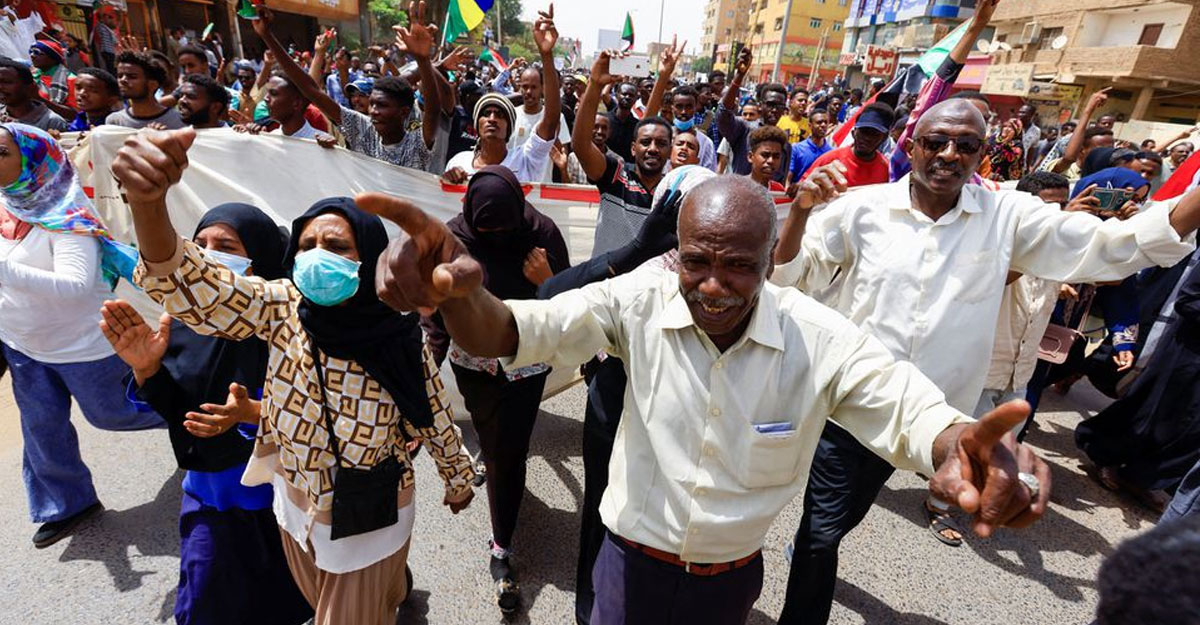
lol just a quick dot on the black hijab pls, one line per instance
(204, 366)
(386, 343)
(496, 202)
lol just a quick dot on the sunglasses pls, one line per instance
(935, 144)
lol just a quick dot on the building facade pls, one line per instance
(726, 26)
(788, 36)
(907, 26)
(1144, 49)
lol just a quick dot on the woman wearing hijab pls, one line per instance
(519, 248)
(231, 563)
(56, 268)
(347, 380)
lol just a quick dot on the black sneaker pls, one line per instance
(508, 593)
(54, 531)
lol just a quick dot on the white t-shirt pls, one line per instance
(305, 132)
(526, 161)
(50, 296)
(527, 127)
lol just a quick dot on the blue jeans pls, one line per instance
(57, 481)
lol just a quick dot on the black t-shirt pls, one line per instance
(624, 205)
(621, 134)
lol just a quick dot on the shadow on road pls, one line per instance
(415, 610)
(152, 529)
(873, 610)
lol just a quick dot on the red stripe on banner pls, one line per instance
(453, 188)
(90, 192)
(570, 193)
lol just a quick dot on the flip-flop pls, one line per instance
(940, 522)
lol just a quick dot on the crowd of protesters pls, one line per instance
(939, 266)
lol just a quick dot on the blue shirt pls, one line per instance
(333, 87)
(804, 154)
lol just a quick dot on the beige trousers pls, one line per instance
(367, 596)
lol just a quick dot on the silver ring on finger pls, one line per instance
(1032, 483)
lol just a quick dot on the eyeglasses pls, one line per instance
(963, 145)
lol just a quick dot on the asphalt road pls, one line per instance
(122, 567)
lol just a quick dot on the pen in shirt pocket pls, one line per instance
(776, 428)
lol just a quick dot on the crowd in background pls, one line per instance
(282, 376)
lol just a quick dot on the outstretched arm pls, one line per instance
(545, 35)
(310, 88)
(591, 159)
(666, 67)
(428, 268)
(419, 39)
(1075, 145)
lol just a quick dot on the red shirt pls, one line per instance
(858, 171)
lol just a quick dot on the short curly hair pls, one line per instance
(153, 70)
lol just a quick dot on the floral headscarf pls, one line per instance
(47, 194)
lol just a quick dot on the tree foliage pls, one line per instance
(387, 13)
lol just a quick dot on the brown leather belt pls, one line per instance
(692, 568)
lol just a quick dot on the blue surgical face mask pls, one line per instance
(682, 125)
(237, 264)
(325, 278)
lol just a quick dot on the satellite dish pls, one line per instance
(1059, 42)
(1004, 46)
(993, 47)
(983, 45)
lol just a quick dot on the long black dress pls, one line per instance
(1152, 434)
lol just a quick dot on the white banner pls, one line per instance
(284, 176)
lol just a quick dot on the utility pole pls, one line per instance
(787, 18)
(662, 5)
(816, 71)
(499, 25)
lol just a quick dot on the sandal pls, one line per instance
(940, 522)
(508, 595)
(508, 592)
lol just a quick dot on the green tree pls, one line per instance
(510, 18)
(386, 13)
(702, 65)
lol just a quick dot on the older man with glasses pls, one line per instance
(921, 264)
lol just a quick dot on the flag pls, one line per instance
(495, 58)
(1185, 178)
(464, 15)
(246, 9)
(909, 81)
(627, 33)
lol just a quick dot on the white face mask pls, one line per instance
(237, 264)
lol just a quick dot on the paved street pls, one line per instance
(122, 568)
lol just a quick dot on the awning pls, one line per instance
(322, 9)
(974, 72)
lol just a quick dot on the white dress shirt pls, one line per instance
(711, 446)
(931, 291)
(1024, 315)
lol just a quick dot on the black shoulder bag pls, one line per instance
(364, 500)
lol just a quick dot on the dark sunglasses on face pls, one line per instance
(934, 144)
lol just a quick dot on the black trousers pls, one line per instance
(606, 397)
(843, 483)
(503, 414)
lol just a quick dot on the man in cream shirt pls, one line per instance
(921, 264)
(731, 381)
